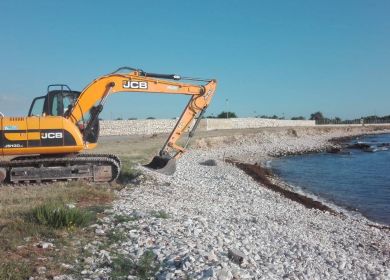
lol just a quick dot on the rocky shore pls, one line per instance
(210, 220)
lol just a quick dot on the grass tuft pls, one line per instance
(57, 215)
(128, 173)
(122, 267)
(161, 214)
(116, 236)
(146, 267)
(125, 218)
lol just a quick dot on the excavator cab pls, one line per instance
(55, 103)
(59, 102)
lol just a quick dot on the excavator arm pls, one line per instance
(97, 92)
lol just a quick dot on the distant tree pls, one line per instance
(337, 120)
(371, 118)
(224, 115)
(300, 118)
(274, 117)
(210, 117)
(132, 119)
(118, 119)
(150, 118)
(317, 116)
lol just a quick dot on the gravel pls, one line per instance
(212, 221)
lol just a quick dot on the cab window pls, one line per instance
(57, 107)
(37, 107)
(68, 101)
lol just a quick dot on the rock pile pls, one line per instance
(212, 221)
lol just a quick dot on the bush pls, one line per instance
(57, 215)
(226, 115)
(298, 118)
(317, 116)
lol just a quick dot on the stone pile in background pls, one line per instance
(145, 127)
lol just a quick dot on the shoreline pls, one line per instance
(263, 176)
(211, 220)
(338, 143)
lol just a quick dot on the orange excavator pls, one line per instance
(47, 144)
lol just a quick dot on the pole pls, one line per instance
(226, 105)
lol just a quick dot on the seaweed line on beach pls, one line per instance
(261, 175)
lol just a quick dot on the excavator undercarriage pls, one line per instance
(37, 169)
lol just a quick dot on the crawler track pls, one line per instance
(37, 169)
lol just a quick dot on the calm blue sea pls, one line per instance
(357, 181)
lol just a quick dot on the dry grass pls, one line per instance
(19, 233)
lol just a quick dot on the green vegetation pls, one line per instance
(161, 214)
(146, 267)
(274, 117)
(128, 173)
(317, 116)
(321, 119)
(121, 266)
(115, 236)
(124, 219)
(223, 115)
(300, 118)
(226, 115)
(39, 214)
(58, 215)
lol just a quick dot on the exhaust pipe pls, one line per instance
(163, 164)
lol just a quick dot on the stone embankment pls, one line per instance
(210, 220)
(145, 127)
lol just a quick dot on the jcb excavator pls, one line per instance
(60, 125)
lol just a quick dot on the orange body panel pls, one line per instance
(39, 135)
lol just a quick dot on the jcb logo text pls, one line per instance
(135, 84)
(51, 135)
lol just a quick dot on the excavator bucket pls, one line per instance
(162, 164)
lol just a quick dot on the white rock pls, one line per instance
(99, 231)
(41, 270)
(45, 245)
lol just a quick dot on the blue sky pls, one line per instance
(270, 57)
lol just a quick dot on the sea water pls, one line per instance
(357, 179)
